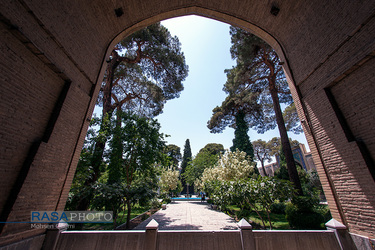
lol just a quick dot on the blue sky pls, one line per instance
(206, 44)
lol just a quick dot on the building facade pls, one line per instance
(301, 156)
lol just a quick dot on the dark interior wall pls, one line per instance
(51, 61)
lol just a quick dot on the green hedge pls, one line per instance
(300, 219)
(278, 208)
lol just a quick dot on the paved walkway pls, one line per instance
(190, 215)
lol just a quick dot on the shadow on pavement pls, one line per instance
(165, 223)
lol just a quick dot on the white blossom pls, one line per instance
(169, 179)
(231, 166)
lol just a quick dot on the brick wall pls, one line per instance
(356, 102)
(49, 45)
(355, 98)
(40, 125)
(349, 77)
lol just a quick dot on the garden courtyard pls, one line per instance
(190, 215)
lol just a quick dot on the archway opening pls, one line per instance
(198, 40)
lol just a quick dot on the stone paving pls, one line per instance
(190, 215)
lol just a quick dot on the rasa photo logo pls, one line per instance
(72, 216)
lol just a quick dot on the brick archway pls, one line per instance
(52, 58)
(232, 20)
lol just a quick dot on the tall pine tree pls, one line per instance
(186, 158)
(259, 76)
(144, 71)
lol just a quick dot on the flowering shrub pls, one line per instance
(169, 179)
(230, 182)
(231, 166)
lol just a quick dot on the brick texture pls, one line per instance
(44, 44)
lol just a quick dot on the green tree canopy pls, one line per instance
(292, 122)
(174, 154)
(141, 146)
(248, 84)
(144, 70)
(207, 157)
(259, 73)
(213, 148)
(225, 115)
(262, 152)
(275, 145)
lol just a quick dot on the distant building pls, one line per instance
(301, 156)
(270, 168)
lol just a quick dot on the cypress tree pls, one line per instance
(186, 158)
(241, 138)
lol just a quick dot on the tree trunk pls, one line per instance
(128, 204)
(292, 170)
(269, 219)
(261, 162)
(100, 145)
(115, 157)
(264, 169)
(115, 215)
(256, 210)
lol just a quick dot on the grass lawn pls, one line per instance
(136, 210)
(279, 221)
